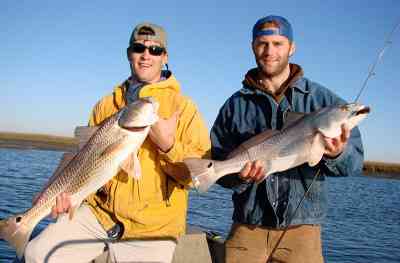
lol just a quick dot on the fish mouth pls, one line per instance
(136, 129)
(139, 114)
(364, 110)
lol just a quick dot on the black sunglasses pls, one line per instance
(153, 50)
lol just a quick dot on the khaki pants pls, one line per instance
(83, 239)
(252, 244)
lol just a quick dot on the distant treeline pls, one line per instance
(60, 143)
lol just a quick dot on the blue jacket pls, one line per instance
(251, 111)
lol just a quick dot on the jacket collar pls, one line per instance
(295, 81)
(169, 82)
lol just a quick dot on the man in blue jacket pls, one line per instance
(264, 209)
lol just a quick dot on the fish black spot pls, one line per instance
(209, 165)
(18, 219)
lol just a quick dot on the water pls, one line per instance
(363, 223)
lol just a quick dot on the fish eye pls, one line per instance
(18, 219)
(209, 165)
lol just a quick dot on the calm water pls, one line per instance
(363, 223)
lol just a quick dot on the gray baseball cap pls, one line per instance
(148, 31)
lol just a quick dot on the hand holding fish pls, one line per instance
(63, 205)
(253, 172)
(335, 146)
(162, 133)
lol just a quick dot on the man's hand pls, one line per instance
(335, 146)
(252, 172)
(63, 205)
(162, 133)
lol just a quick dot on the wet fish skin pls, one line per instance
(300, 141)
(111, 147)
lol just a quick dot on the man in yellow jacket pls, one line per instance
(146, 216)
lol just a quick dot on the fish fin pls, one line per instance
(75, 201)
(202, 172)
(131, 166)
(292, 117)
(317, 150)
(127, 165)
(71, 212)
(253, 141)
(16, 233)
(84, 133)
(136, 166)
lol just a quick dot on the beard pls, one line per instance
(275, 69)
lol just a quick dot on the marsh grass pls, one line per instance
(36, 141)
(381, 167)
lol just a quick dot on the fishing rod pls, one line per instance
(378, 59)
(371, 73)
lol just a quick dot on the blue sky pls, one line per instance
(58, 58)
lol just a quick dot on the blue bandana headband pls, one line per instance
(285, 29)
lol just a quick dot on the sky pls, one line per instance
(58, 58)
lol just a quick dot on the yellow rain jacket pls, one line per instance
(154, 206)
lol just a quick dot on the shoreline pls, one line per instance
(31, 141)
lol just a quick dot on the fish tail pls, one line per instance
(16, 233)
(202, 172)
